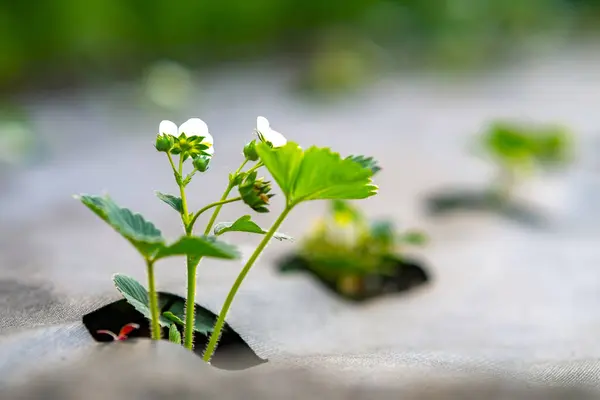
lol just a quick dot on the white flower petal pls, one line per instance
(275, 138)
(266, 134)
(262, 124)
(194, 127)
(210, 151)
(208, 139)
(167, 127)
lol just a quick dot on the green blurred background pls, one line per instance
(58, 42)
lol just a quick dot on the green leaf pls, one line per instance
(173, 318)
(283, 163)
(383, 232)
(199, 246)
(242, 224)
(366, 162)
(143, 235)
(136, 295)
(174, 335)
(203, 323)
(174, 201)
(245, 224)
(316, 174)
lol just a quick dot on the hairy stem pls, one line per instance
(190, 303)
(184, 212)
(171, 162)
(155, 331)
(214, 338)
(208, 207)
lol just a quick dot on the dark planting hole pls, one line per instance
(233, 353)
(406, 275)
(469, 200)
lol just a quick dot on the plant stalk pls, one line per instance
(155, 330)
(214, 338)
(184, 212)
(208, 207)
(190, 303)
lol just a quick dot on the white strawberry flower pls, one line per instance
(268, 135)
(167, 127)
(191, 127)
(197, 127)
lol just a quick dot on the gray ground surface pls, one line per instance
(508, 300)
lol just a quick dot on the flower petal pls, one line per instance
(208, 139)
(194, 127)
(167, 127)
(262, 124)
(275, 138)
(210, 151)
(268, 135)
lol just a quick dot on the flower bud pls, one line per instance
(255, 192)
(201, 163)
(250, 151)
(164, 142)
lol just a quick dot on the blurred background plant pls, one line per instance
(522, 149)
(341, 41)
(352, 254)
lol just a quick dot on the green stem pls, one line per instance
(154, 324)
(255, 167)
(215, 213)
(184, 212)
(192, 265)
(214, 338)
(171, 162)
(208, 207)
(190, 311)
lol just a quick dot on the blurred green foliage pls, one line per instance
(521, 150)
(73, 38)
(523, 147)
(346, 245)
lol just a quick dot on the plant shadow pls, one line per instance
(407, 274)
(450, 201)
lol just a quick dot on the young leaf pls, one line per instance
(283, 163)
(316, 174)
(242, 224)
(173, 318)
(203, 323)
(199, 246)
(174, 201)
(143, 235)
(174, 335)
(136, 295)
(245, 224)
